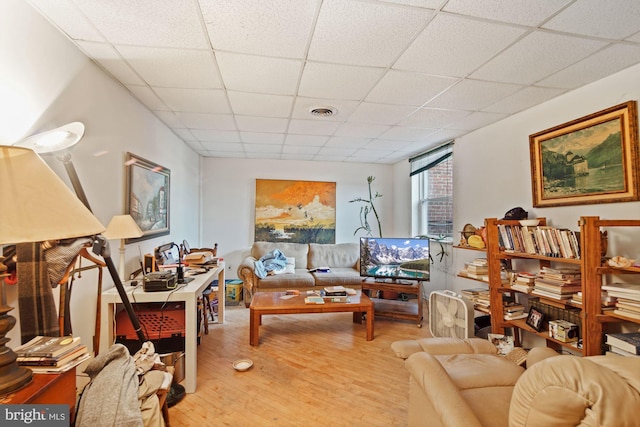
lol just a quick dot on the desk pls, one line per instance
(47, 389)
(188, 294)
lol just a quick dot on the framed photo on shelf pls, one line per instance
(535, 319)
(593, 159)
(147, 202)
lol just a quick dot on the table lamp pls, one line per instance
(38, 206)
(122, 227)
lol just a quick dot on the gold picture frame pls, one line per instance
(593, 159)
(148, 195)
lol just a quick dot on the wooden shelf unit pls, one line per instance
(394, 309)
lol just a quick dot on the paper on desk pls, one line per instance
(287, 296)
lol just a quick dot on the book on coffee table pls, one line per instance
(314, 300)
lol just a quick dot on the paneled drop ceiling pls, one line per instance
(238, 78)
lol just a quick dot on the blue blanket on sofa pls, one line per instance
(273, 261)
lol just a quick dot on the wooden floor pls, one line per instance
(309, 370)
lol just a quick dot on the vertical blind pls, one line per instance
(429, 159)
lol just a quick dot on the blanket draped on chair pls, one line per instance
(38, 315)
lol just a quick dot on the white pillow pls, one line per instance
(290, 268)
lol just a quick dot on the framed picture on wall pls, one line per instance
(148, 194)
(593, 159)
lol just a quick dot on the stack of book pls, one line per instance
(608, 302)
(523, 282)
(336, 294)
(477, 269)
(557, 284)
(540, 240)
(479, 297)
(627, 298)
(52, 354)
(625, 344)
(513, 311)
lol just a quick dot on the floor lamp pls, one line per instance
(122, 227)
(59, 141)
(38, 206)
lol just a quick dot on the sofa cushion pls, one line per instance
(299, 251)
(469, 371)
(349, 277)
(443, 345)
(297, 280)
(340, 255)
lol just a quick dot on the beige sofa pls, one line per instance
(485, 389)
(342, 259)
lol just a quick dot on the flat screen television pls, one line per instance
(394, 258)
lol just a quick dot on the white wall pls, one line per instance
(46, 82)
(492, 168)
(228, 200)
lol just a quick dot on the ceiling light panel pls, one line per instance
(374, 38)
(474, 42)
(172, 67)
(278, 28)
(250, 73)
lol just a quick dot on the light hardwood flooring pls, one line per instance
(309, 370)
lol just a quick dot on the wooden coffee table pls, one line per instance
(264, 303)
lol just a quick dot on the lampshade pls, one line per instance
(38, 205)
(54, 140)
(122, 227)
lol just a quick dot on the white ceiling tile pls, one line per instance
(210, 135)
(537, 56)
(364, 130)
(228, 154)
(172, 67)
(403, 133)
(524, 12)
(223, 146)
(298, 157)
(69, 19)
(148, 97)
(312, 127)
(300, 149)
(432, 118)
(261, 124)
(428, 4)
(168, 23)
(366, 155)
(474, 42)
(476, 120)
(257, 104)
(405, 88)
(303, 106)
(262, 148)
(169, 118)
(207, 121)
(601, 64)
(473, 95)
(186, 136)
(336, 152)
(338, 81)
(374, 38)
(635, 38)
(382, 114)
(308, 140)
(262, 138)
(107, 57)
(442, 136)
(275, 28)
(250, 73)
(194, 100)
(385, 144)
(347, 142)
(195, 145)
(523, 99)
(612, 19)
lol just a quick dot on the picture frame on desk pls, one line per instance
(535, 319)
(593, 159)
(147, 198)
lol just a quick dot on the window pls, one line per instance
(432, 193)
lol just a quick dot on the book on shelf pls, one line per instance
(53, 361)
(44, 346)
(631, 288)
(551, 295)
(620, 352)
(626, 313)
(627, 341)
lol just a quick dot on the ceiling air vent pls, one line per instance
(323, 111)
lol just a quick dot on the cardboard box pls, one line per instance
(562, 330)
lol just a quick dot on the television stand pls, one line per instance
(395, 309)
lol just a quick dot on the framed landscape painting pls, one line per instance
(593, 159)
(295, 211)
(147, 202)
